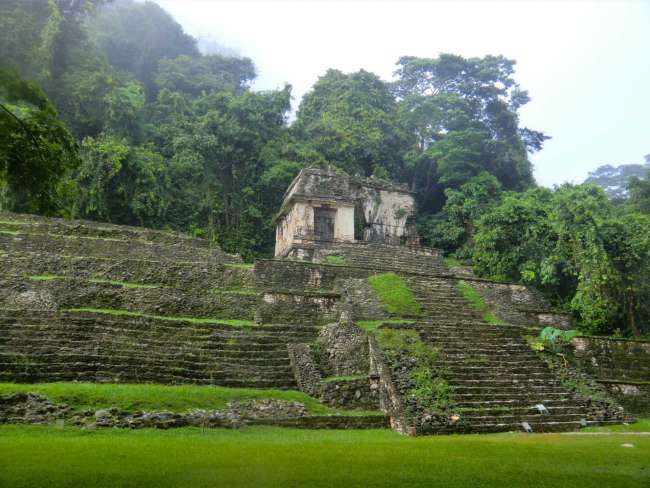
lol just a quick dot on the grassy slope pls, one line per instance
(394, 294)
(35, 456)
(477, 302)
(132, 397)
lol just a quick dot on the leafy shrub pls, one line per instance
(428, 388)
(553, 339)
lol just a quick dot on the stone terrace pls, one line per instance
(83, 301)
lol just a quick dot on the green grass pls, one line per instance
(175, 398)
(643, 425)
(371, 325)
(394, 294)
(352, 377)
(14, 222)
(110, 311)
(335, 259)
(45, 277)
(477, 302)
(452, 262)
(10, 232)
(37, 456)
(235, 291)
(241, 265)
(125, 284)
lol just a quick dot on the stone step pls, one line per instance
(492, 402)
(494, 427)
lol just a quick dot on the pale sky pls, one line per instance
(585, 64)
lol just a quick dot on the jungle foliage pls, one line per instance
(109, 111)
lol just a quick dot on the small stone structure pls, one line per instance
(321, 205)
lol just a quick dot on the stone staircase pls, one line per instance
(441, 302)
(497, 379)
(106, 348)
(165, 292)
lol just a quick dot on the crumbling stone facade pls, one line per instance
(324, 206)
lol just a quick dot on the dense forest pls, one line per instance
(109, 112)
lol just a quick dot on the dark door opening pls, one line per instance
(324, 219)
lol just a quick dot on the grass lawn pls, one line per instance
(174, 398)
(642, 425)
(37, 456)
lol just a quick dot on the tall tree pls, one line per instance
(463, 114)
(135, 36)
(37, 153)
(351, 120)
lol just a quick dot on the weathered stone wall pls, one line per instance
(305, 369)
(612, 359)
(62, 294)
(519, 304)
(622, 365)
(298, 275)
(32, 408)
(365, 304)
(390, 399)
(186, 275)
(358, 394)
(297, 307)
(72, 245)
(343, 350)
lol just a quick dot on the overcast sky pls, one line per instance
(585, 64)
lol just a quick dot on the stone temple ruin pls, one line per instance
(83, 301)
(323, 207)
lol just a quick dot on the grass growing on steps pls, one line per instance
(124, 284)
(37, 456)
(234, 291)
(46, 277)
(174, 398)
(335, 259)
(240, 265)
(642, 425)
(110, 311)
(371, 325)
(472, 296)
(352, 377)
(452, 262)
(394, 294)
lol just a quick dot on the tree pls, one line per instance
(37, 152)
(572, 244)
(135, 36)
(351, 120)
(640, 193)
(463, 114)
(216, 147)
(614, 179)
(121, 184)
(194, 76)
(453, 228)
